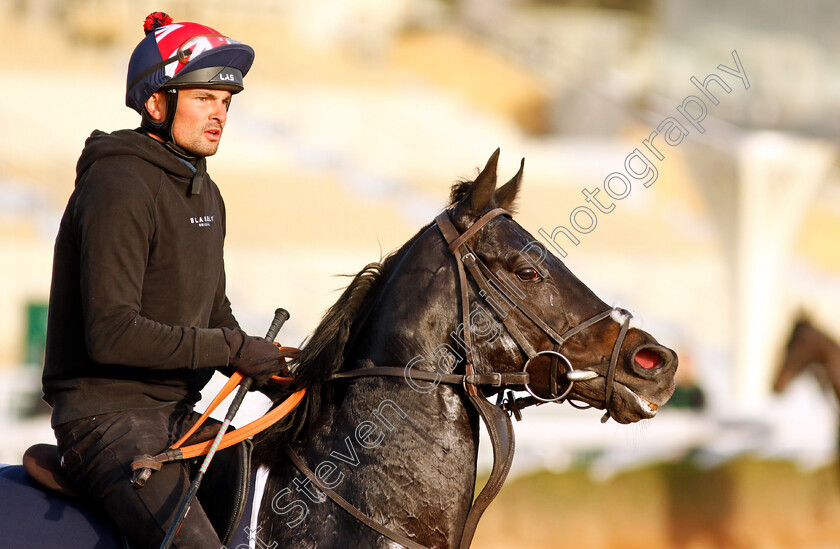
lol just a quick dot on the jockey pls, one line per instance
(139, 318)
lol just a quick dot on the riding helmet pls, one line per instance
(184, 55)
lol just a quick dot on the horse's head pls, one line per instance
(809, 346)
(574, 340)
(799, 352)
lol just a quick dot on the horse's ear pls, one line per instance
(506, 194)
(480, 193)
(802, 316)
(485, 184)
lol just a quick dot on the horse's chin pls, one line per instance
(626, 405)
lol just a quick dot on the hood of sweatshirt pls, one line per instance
(135, 143)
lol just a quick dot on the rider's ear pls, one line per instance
(480, 193)
(156, 106)
(506, 194)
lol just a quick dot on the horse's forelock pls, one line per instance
(459, 191)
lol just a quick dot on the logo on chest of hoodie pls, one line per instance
(203, 221)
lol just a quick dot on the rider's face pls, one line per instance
(200, 118)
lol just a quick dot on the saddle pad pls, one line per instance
(31, 518)
(34, 518)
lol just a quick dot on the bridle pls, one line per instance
(495, 418)
(489, 283)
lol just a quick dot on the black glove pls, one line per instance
(253, 356)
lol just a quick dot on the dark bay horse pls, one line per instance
(402, 449)
(396, 375)
(810, 346)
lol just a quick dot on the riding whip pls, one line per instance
(280, 317)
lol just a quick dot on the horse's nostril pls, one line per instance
(648, 359)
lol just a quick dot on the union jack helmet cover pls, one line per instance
(184, 55)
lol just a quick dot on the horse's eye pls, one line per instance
(528, 274)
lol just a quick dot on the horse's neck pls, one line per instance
(404, 458)
(831, 359)
(825, 351)
(425, 469)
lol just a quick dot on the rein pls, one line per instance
(144, 465)
(495, 418)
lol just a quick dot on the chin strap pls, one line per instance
(163, 131)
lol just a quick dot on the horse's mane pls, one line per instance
(324, 352)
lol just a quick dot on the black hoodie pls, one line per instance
(138, 283)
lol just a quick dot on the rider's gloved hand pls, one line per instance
(253, 356)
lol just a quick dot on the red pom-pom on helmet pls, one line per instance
(155, 21)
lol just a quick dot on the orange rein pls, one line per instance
(256, 426)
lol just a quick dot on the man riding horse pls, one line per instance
(139, 319)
